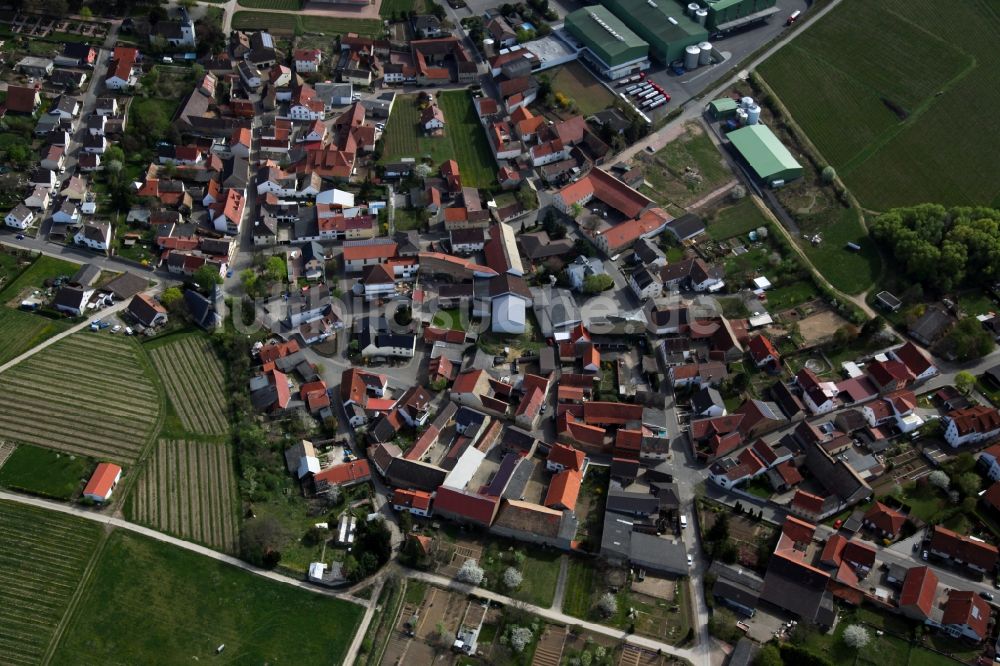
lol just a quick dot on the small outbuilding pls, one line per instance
(102, 483)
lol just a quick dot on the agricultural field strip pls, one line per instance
(112, 388)
(184, 492)
(35, 431)
(201, 410)
(26, 612)
(123, 422)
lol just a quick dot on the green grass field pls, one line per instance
(149, 602)
(19, 330)
(294, 23)
(389, 8)
(464, 139)
(880, 88)
(579, 588)
(851, 272)
(737, 220)
(45, 472)
(43, 556)
(448, 319)
(576, 82)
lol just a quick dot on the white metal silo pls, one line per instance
(692, 8)
(753, 114)
(741, 116)
(700, 16)
(705, 57)
(691, 55)
(746, 102)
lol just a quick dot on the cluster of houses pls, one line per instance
(807, 575)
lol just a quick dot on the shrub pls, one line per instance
(471, 572)
(856, 636)
(512, 578)
(608, 604)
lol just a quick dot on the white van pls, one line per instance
(684, 521)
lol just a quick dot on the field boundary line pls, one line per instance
(204, 551)
(74, 601)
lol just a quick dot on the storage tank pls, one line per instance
(700, 16)
(753, 114)
(705, 57)
(692, 8)
(488, 47)
(691, 55)
(741, 116)
(746, 102)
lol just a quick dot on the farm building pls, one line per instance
(610, 45)
(723, 108)
(102, 482)
(663, 25)
(724, 15)
(765, 154)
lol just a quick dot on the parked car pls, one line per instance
(116, 328)
(986, 595)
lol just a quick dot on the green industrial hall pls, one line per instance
(611, 46)
(766, 155)
(664, 25)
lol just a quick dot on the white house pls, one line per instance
(307, 60)
(915, 361)
(819, 396)
(303, 112)
(39, 198)
(68, 213)
(20, 217)
(95, 235)
(989, 459)
(971, 425)
(416, 502)
(896, 407)
(644, 284)
(229, 212)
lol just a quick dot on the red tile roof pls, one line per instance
(272, 352)
(885, 372)
(956, 546)
(21, 99)
(914, 359)
(471, 506)
(761, 347)
(424, 442)
(467, 382)
(789, 473)
(102, 481)
(566, 456)
(978, 419)
(859, 553)
(373, 251)
(919, 589)
(351, 472)
(832, 550)
(563, 490)
(610, 413)
(799, 531)
(807, 501)
(417, 499)
(966, 608)
(885, 519)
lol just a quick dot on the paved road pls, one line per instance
(698, 657)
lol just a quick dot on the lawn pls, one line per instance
(684, 170)
(19, 330)
(577, 83)
(45, 472)
(577, 600)
(464, 139)
(295, 23)
(142, 105)
(448, 319)
(43, 559)
(539, 568)
(178, 606)
(737, 220)
(405, 219)
(789, 296)
(898, 73)
(850, 272)
(390, 8)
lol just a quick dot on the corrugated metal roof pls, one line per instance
(763, 150)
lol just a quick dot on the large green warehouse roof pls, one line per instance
(765, 153)
(651, 20)
(606, 36)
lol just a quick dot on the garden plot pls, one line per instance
(188, 489)
(89, 394)
(43, 556)
(192, 375)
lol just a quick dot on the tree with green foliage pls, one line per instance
(941, 247)
(595, 284)
(276, 269)
(968, 484)
(206, 277)
(768, 656)
(964, 381)
(171, 298)
(968, 340)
